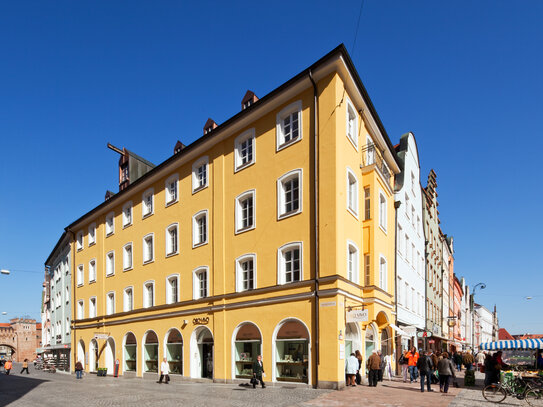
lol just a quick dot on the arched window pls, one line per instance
(292, 352)
(174, 351)
(247, 346)
(150, 352)
(130, 352)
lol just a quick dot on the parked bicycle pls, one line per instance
(522, 389)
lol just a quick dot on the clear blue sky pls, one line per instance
(464, 76)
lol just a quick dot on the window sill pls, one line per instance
(289, 214)
(110, 275)
(148, 262)
(167, 204)
(109, 234)
(243, 166)
(198, 189)
(128, 268)
(352, 212)
(353, 143)
(172, 254)
(383, 229)
(92, 244)
(243, 230)
(79, 249)
(127, 225)
(147, 215)
(194, 246)
(288, 143)
(92, 282)
(80, 284)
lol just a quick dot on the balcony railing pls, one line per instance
(372, 156)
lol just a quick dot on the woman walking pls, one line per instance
(445, 368)
(25, 366)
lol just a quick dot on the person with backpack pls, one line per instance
(403, 362)
(457, 359)
(426, 368)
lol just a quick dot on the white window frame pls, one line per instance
(92, 234)
(93, 309)
(146, 295)
(281, 199)
(239, 211)
(92, 271)
(350, 110)
(169, 300)
(145, 212)
(127, 222)
(79, 243)
(370, 152)
(196, 282)
(281, 271)
(67, 327)
(126, 308)
(356, 261)
(110, 230)
(168, 200)
(80, 309)
(110, 264)
(246, 135)
(196, 187)
(169, 251)
(80, 275)
(144, 252)
(127, 266)
(400, 291)
(399, 234)
(383, 283)
(67, 294)
(383, 211)
(279, 126)
(195, 228)
(352, 193)
(110, 304)
(239, 271)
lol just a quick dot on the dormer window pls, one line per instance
(209, 126)
(248, 100)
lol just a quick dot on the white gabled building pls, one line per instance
(410, 269)
(484, 325)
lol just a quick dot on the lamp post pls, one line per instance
(482, 286)
(4, 271)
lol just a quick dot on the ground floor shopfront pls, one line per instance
(57, 356)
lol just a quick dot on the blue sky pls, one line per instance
(464, 76)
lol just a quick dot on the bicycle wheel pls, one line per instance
(494, 393)
(534, 397)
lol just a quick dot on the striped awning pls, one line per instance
(516, 344)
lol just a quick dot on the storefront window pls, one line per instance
(385, 343)
(150, 353)
(370, 340)
(130, 352)
(248, 346)
(174, 352)
(292, 353)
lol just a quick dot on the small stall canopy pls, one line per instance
(516, 344)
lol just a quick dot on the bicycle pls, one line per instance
(518, 387)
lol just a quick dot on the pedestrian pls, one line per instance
(426, 367)
(164, 372)
(382, 366)
(457, 359)
(489, 369)
(78, 370)
(445, 369)
(480, 359)
(374, 366)
(539, 361)
(7, 366)
(468, 360)
(25, 367)
(358, 377)
(412, 358)
(258, 372)
(404, 364)
(351, 367)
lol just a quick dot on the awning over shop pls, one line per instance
(516, 344)
(398, 330)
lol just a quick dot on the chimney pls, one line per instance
(210, 125)
(178, 147)
(249, 99)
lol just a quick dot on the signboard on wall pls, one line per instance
(358, 315)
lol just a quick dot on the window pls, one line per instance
(128, 299)
(352, 262)
(289, 193)
(148, 248)
(92, 234)
(110, 263)
(245, 272)
(67, 294)
(200, 287)
(80, 275)
(383, 276)
(367, 269)
(149, 294)
(147, 203)
(407, 205)
(290, 263)
(413, 182)
(413, 255)
(367, 203)
(382, 212)
(352, 124)
(67, 331)
(127, 214)
(172, 289)
(199, 228)
(171, 189)
(92, 270)
(289, 125)
(244, 146)
(80, 310)
(245, 211)
(413, 216)
(110, 223)
(79, 240)
(352, 192)
(127, 256)
(200, 174)
(370, 151)
(110, 303)
(399, 239)
(172, 240)
(400, 292)
(92, 307)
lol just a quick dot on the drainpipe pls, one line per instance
(316, 220)
(397, 205)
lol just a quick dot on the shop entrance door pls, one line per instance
(207, 362)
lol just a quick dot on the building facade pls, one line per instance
(484, 325)
(19, 339)
(286, 211)
(448, 294)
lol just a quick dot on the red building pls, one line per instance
(19, 339)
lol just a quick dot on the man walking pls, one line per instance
(258, 371)
(164, 372)
(425, 366)
(374, 366)
(412, 358)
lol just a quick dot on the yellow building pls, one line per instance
(258, 238)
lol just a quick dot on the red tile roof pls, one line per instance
(504, 335)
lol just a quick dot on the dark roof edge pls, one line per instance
(59, 243)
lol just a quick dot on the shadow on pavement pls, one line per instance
(14, 386)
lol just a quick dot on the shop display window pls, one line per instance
(130, 353)
(248, 346)
(174, 352)
(292, 353)
(150, 353)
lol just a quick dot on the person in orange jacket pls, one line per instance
(7, 366)
(412, 359)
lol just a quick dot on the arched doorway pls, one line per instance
(93, 356)
(291, 352)
(81, 352)
(150, 352)
(371, 340)
(353, 340)
(386, 346)
(130, 353)
(110, 355)
(173, 351)
(246, 346)
(201, 347)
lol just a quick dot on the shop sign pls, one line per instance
(431, 341)
(425, 334)
(200, 321)
(101, 336)
(358, 315)
(328, 304)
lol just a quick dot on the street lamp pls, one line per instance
(482, 286)
(4, 271)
